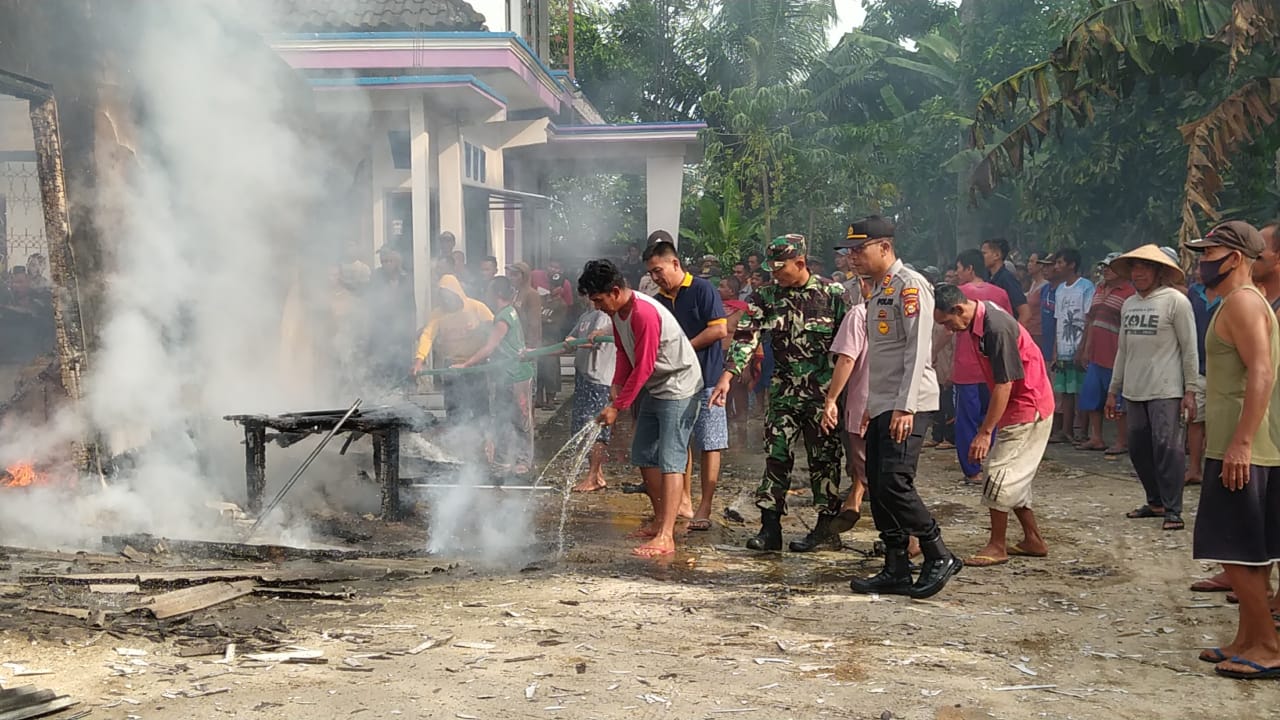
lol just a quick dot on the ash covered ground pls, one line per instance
(1104, 627)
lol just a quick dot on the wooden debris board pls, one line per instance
(297, 593)
(26, 702)
(154, 580)
(188, 600)
(77, 613)
(243, 551)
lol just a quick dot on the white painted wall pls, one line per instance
(496, 15)
(15, 125)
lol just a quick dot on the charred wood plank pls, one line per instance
(24, 696)
(193, 599)
(34, 711)
(387, 471)
(255, 464)
(245, 551)
(162, 580)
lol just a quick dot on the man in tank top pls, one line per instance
(1238, 523)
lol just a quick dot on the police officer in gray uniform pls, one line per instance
(904, 392)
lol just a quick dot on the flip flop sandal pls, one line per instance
(1017, 551)
(1215, 656)
(699, 524)
(1115, 452)
(1143, 512)
(650, 553)
(1173, 522)
(1091, 448)
(1209, 585)
(984, 561)
(1260, 672)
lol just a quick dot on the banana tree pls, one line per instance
(1108, 52)
(724, 230)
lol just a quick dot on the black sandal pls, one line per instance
(1173, 521)
(1143, 512)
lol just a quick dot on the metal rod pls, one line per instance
(303, 467)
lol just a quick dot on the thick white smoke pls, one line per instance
(211, 238)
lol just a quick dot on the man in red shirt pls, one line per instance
(1020, 414)
(971, 395)
(1098, 357)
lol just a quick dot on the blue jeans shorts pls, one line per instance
(663, 428)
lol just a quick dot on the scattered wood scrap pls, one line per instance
(77, 613)
(188, 600)
(25, 702)
(243, 551)
(159, 580)
(298, 593)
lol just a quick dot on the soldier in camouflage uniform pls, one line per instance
(802, 312)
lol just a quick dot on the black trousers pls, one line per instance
(891, 480)
(943, 426)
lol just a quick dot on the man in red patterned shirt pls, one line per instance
(1101, 342)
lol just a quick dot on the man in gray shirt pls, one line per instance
(903, 394)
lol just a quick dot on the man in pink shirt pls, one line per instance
(971, 395)
(657, 370)
(851, 378)
(1020, 414)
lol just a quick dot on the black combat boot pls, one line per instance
(895, 578)
(938, 567)
(822, 535)
(770, 536)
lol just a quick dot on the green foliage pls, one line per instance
(723, 228)
(803, 138)
(1120, 47)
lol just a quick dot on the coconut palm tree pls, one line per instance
(1233, 44)
(756, 43)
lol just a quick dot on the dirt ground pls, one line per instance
(1103, 628)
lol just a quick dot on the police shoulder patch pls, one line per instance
(911, 302)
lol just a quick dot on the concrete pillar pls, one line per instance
(420, 147)
(449, 161)
(382, 172)
(497, 218)
(517, 220)
(664, 186)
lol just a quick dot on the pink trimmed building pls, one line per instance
(458, 124)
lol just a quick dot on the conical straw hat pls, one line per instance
(1123, 265)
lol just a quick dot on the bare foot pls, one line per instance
(656, 547)
(1031, 548)
(913, 547)
(1191, 479)
(644, 531)
(590, 484)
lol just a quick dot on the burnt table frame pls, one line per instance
(382, 425)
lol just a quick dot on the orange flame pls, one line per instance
(20, 475)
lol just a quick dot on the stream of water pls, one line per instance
(565, 466)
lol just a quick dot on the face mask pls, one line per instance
(1211, 272)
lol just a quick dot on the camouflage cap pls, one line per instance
(787, 247)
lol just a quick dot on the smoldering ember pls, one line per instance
(641, 358)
